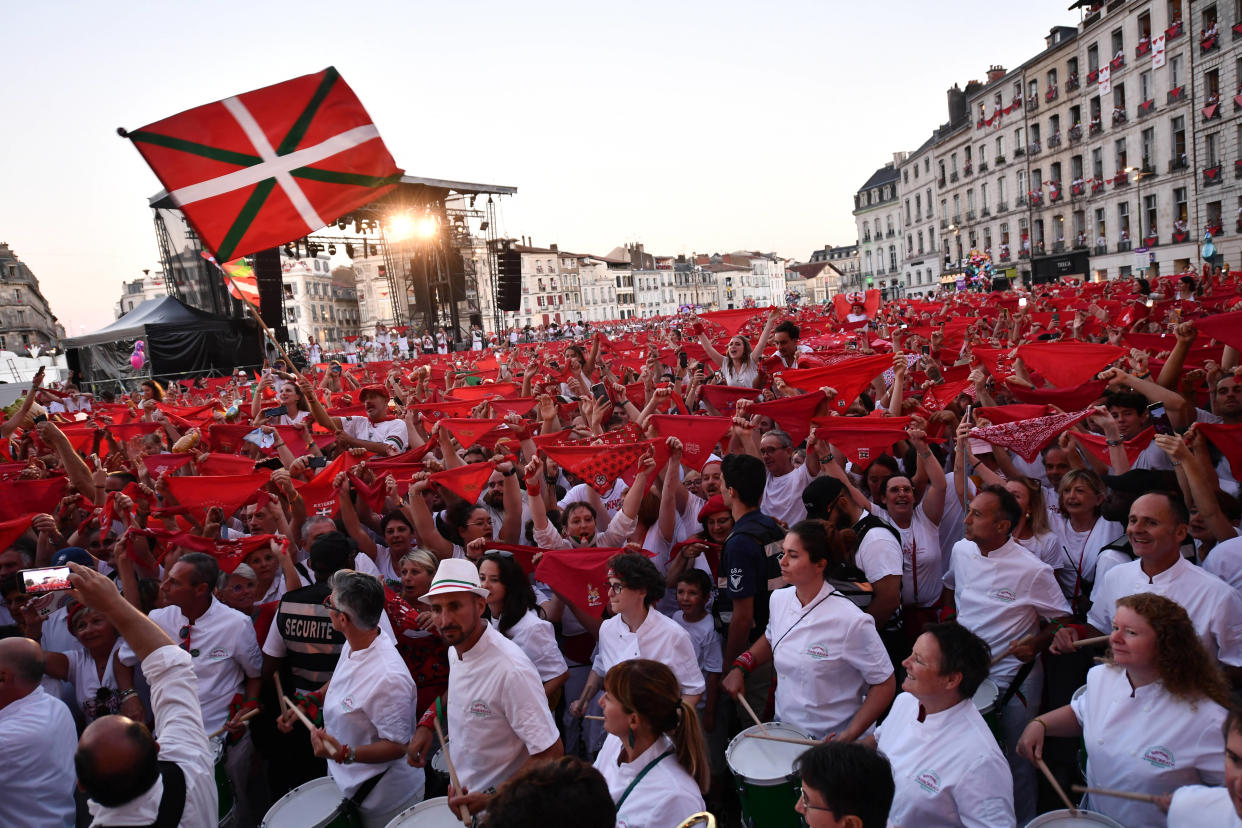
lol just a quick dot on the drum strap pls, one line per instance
(172, 802)
(1016, 684)
(641, 774)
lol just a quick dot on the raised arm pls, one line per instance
(349, 517)
(933, 497)
(756, 355)
(424, 522)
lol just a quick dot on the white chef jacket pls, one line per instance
(825, 661)
(1214, 607)
(37, 740)
(497, 706)
(371, 697)
(392, 432)
(658, 638)
(1145, 740)
(228, 654)
(920, 557)
(782, 496)
(948, 769)
(1196, 805)
(182, 738)
(537, 639)
(1002, 596)
(664, 797)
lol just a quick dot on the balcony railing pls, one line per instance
(983, 166)
(1117, 63)
(944, 224)
(1071, 83)
(1058, 246)
(1002, 206)
(968, 169)
(1146, 107)
(1054, 140)
(1173, 31)
(1123, 246)
(1209, 44)
(970, 215)
(1177, 93)
(1179, 164)
(1020, 201)
(1034, 148)
(1121, 179)
(940, 181)
(1237, 168)
(985, 212)
(1101, 249)
(1095, 128)
(1093, 76)
(957, 219)
(1000, 159)
(1032, 102)
(1097, 185)
(1050, 95)
(1018, 152)
(953, 178)
(1075, 133)
(1211, 175)
(1119, 116)
(1143, 48)
(1216, 228)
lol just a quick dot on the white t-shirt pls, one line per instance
(708, 645)
(496, 704)
(658, 638)
(1145, 740)
(1001, 597)
(392, 432)
(948, 769)
(612, 500)
(537, 639)
(1214, 607)
(37, 736)
(920, 557)
(86, 680)
(879, 555)
(371, 697)
(1082, 550)
(1195, 806)
(665, 796)
(1046, 547)
(826, 655)
(1225, 562)
(782, 496)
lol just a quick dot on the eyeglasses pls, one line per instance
(327, 602)
(615, 588)
(185, 640)
(806, 803)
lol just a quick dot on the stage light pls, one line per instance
(341, 224)
(426, 227)
(484, 226)
(332, 250)
(401, 227)
(349, 250)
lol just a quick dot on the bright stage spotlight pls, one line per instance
(401, 226)
(426, 227)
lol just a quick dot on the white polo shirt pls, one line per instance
(826, 655)
(879, 555)
(666, 794)
(1196, 805)
(921, 561)
(537, 639)
(948, 769)
(1214, 607)
(497, 706)
(392, 432)
(228, 654)
(1145, 740)
(1082, 549)
(37, 737)
(1001, 597)
(658, 638)
(371, 697)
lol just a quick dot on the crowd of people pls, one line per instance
(955, 560)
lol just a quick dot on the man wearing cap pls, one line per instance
(376, 432)
(498, 716)
(878, 555)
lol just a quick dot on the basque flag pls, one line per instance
(256, 170)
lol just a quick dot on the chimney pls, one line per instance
(957, 105)
(995, 73)
(553, 248)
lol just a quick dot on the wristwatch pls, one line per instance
(351, 757)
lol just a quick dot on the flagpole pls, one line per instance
(237, 291)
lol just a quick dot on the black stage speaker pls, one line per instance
(271, 291)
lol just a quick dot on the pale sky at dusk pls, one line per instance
(688, 126)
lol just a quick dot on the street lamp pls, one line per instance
(1139, 175)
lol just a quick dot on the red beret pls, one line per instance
(373, 389)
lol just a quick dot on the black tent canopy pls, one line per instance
(178, 339)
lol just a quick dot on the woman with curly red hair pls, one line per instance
(1151, 716)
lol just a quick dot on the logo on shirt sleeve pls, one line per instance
(735, 577)
(928, 780)
(1159, 756)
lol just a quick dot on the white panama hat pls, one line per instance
(455, 575)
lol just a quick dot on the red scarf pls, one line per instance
(1028, 437)
(1068, 364)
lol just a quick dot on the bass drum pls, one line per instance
(431, 813)
(315, 804)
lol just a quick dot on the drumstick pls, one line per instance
(280, 692)
(790, 739)
(309, 724)
(1056, 786)
(1137, 797)
(1011, 649)
(250, 714)
(594, 718)
(448, 760)
(741, 697)
(1091, 642)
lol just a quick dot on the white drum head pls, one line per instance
(986, 696)
(433, 813)
(438, 762)
(304, 805)
(762, 760)
(1066, 819)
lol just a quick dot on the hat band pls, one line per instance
(466, 584)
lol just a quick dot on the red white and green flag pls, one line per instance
(242, 283)
(259, 169)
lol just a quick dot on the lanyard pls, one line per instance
(641, 774)
(804, 615)
(1082, 553)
